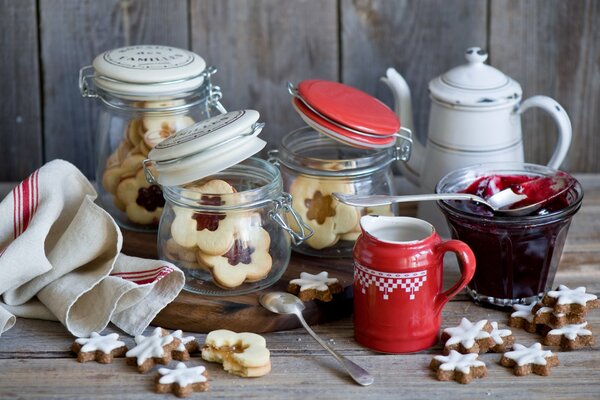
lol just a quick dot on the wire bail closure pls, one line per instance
(283, 206)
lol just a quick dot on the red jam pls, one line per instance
(517, 256)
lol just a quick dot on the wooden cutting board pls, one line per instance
(196, 313)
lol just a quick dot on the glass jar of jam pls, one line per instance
(147, 93)
(313, 166)
(517, 256)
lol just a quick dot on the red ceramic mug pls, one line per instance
(398, 297)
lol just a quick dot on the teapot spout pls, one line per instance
(403, 109)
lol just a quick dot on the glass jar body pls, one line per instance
(228, 243)
(313, 166)
(127, 130)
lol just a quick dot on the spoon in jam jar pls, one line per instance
(533, 194)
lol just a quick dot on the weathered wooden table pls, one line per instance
(35, 361)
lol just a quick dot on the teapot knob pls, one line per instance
(476, 55)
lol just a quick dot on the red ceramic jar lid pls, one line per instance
(349, 106)
(336, 132)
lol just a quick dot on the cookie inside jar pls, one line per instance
(315, 166)
(147, 93)
(222, 230)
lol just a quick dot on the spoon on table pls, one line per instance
(287, 303)
(499, 203)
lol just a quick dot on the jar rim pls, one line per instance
(345, 160)
(478, 170)
(252, 171)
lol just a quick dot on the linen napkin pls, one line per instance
(60, 259)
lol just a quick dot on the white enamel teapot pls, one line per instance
(475, 117)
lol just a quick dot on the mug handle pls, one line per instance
(466, 262)
(560, 117)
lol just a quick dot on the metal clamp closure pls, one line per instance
(85, 87)
(282, 207)
(404, 143)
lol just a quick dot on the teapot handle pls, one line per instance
(560, 117)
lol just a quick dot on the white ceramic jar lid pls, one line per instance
(475, 84)
(148, 70)
(206, 147)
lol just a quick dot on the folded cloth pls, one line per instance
(60, 259)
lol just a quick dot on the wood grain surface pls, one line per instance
(259, 46)
(553, 48)
(35, 361)
(20, 118)
(73, 33)
(550, 46)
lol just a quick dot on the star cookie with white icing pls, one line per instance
(570, 337)
(575, 301)
(502, 339)
(187, 345)
(154, 349)
(525, 360)
(462, 368)
(468, 337)
(100, 348)
(320, 286)
(182, 380)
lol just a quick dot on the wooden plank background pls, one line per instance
(551, 47)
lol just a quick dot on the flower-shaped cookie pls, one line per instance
(213, 233)
(248, 260)
(143, 201)
(329, 219)
(244, 354)
(157, 128)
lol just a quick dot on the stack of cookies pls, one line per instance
(124, 177)
(559, 317)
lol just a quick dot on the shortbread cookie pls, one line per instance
(462, 368)
(212, 233)
(570, 301)
(244, 354)
(328, 218)
(182, 380)
(187, 346)
(150, 350)
(309, 287)
(526, 360)
(503, 339)
(570, 337)
(143, 201)
(248, 260)
(468, 337)
(178, 253)
(99, 348)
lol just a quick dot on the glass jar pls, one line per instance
(313, 166)
(230, 237)
(517, 256)
(147, 93)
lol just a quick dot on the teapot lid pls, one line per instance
(475, 84)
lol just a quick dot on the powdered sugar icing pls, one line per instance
(467, 332)
(572, 331)
(178, 334)
(460, 362)
(571, 296)
(149, 346)
(498, 334)
(318, 282)
(528, 355)
(523, 311)
(182, 375)
(95, 342)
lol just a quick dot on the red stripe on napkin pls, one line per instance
(25, 203)
(146, 276)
